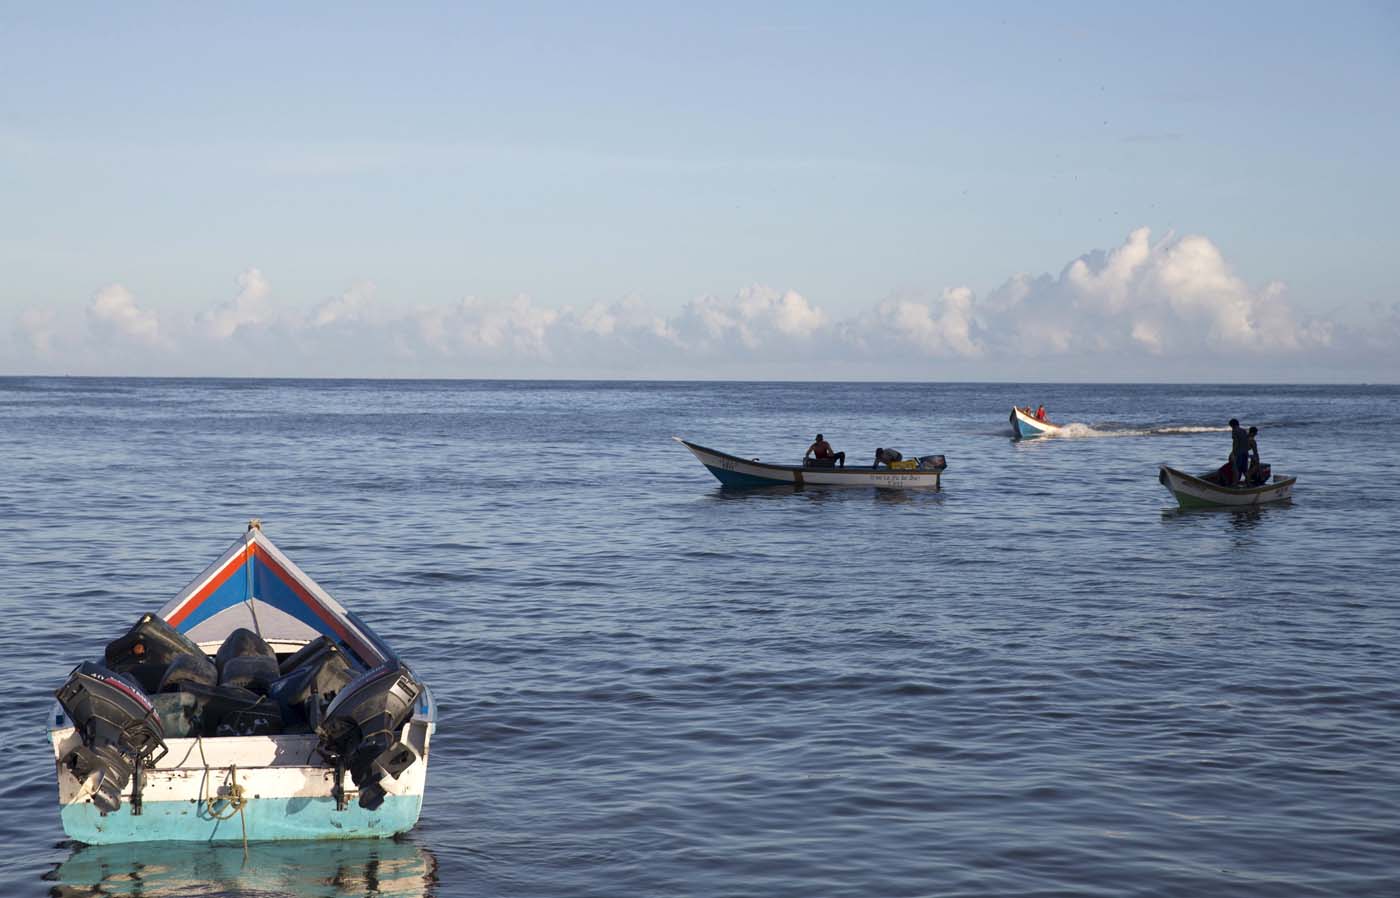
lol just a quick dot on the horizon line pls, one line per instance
(676, 380)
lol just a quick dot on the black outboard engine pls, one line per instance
(189, 669)
(145, 651)
(302, 693)
(361, 729)
(120, 729)
(150, 640)
(232, 711)
(246, 661)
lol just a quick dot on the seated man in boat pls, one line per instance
(1040, 413)
(888, 456)
(822, 456)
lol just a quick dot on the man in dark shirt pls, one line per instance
(1239, 450)
(1255, 475)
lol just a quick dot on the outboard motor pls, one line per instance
(189, 669)
(242, 643)
(311, 651)
(246, 661)
(145, 650)
(121, 733)
(361, 730)
(303, 692)
(233, 711)
(152, 640)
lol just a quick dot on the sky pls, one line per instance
(1020, 192)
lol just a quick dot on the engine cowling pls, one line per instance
(361, 728)
(120, 729)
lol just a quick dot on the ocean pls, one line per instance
(1044, 679)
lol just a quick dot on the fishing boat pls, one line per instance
(253, 707)
(744, 473)
(1025, 426)
(1207, 491)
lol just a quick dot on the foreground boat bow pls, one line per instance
(251, 706)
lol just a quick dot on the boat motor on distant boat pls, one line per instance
(250, 694)
(1207, 490)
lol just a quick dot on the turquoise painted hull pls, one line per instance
(267, 819)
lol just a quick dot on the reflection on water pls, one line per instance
(382, 868)
(1240, 519)
(821, 492)
(1246, 518)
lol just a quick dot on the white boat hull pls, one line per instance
(1025, 426)
(287, 793)
(732, 471)
(1192, 491)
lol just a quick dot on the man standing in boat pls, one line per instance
(1239, 450)
(822, 454)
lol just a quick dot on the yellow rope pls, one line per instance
(236, 797)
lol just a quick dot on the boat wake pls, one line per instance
(1079, 431)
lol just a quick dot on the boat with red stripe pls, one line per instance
(252, 705)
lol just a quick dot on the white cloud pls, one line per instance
(1143, 308)
(939, 328)
(39, 330)
(249, 307)
(1174, 297)
(1109, 282)
(471, 324)
(755, 318)
(114, 310)
(350, 307)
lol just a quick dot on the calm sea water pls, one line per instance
(1043, 680)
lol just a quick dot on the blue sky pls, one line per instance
(621, 190)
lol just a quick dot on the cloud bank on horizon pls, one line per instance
(1166, 310)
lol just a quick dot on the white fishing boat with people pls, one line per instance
(735, 472)
(1025, 424)
(1212, 489)
(253, 707)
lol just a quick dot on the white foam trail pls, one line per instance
(1078, 431)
